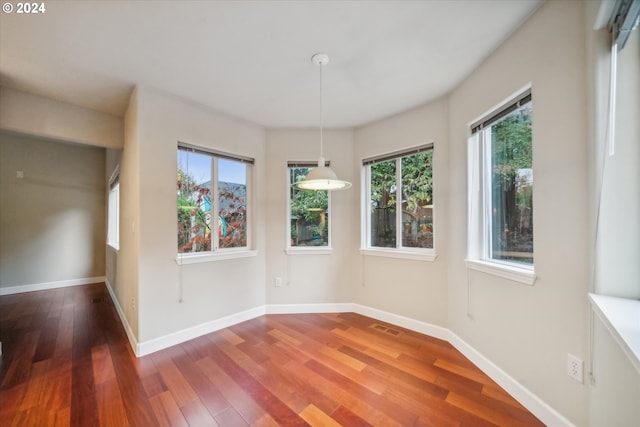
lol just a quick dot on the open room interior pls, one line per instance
(152, 165)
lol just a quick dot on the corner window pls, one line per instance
(212, 201)
(501, 197)
(113, 220)
(308, 222)
(398, 212)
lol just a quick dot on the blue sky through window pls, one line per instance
(198, 166)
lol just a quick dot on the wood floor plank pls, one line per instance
(315, 417)
(68, 362)
(197, 414)
(167, 412)
(111, 411)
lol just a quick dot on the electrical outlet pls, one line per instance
(278, 282)
(575, 367)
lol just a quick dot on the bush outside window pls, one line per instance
(501, 227)
(212, 201)
(400, 200)
(308, 211)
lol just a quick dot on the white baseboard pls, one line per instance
(406, 322)
(51, 285)
(148, 347)
(533, 403)
(308, 308)
(125, 323)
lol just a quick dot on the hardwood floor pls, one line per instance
(67, 362)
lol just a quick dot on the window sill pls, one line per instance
(621, 317)
(113, 247)
(394, 253)
(307, 250)
(517, 274)
(213, 256)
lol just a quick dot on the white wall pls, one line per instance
(528, 330)
(52, 219)
(211, 290)
(618, 251)
(415, 289)
(615, 390)
(327, 278)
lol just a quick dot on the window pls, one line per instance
(501, 200)
(212, 201)
(113, 224)
(399, 203)
(308, 225)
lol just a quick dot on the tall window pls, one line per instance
(212, 200)
(501, 202)
(399, 194)
(113, 225)
(308, 210)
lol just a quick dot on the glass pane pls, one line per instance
(417, 200)
(194, 202)
(382, 179)
(511, 225)
(232, 199)
(309, 213)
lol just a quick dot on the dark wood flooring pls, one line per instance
(67, 362)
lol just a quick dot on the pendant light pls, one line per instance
(322, 177)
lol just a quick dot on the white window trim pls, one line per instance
(200, 257)
(508, 271)
(422, 255)
(217, 253)
(115, 245)
(399, 252)
(309, 250)
(306, 250)
(477, 258)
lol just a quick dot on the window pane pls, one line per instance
(194, 202)
(511, 202)
(417, 200)
(309, 213)
(113, 229)
(382, 180)
(232, 199)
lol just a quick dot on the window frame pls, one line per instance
(113, 212)
(306, 250)
(479, 196)
(217, 253)
(399, 251)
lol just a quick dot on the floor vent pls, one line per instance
(382, 328)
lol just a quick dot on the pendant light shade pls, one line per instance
(322, 177)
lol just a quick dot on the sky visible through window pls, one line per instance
(199, 167)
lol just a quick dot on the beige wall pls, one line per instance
(44, 117)
(51, 220)
(528, 330)
(213, 289)
(415, 289)
(327, 278)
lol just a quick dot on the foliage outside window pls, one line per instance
(212, 213)
(502, 211)
(400, 200)
(308, 211)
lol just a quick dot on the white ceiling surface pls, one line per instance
(251, 59)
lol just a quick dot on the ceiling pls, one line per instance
(251, 59)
